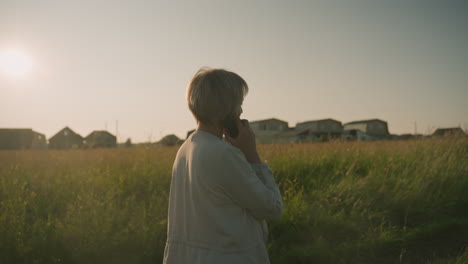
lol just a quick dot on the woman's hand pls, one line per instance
(245, 141)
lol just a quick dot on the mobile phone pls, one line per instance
(230, 124)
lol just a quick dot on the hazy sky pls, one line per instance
(95, 62)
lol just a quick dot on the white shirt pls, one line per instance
(217, 204)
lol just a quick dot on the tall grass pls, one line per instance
(363, 202)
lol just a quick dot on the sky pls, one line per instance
(98, 64)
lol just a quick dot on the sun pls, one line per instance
(15, 63)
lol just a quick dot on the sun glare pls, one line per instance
(15, 63)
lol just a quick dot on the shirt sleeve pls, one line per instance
(259, 168)
(251, 186)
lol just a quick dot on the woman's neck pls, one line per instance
(213, 129)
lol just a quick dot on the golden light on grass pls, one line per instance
(345, 202)
(15, 63)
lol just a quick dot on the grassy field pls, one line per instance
(361, 202)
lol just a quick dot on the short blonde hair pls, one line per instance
(214, 94)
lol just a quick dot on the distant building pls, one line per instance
(328, 128)
(309, 131)
(19, 138)
(100, 139)
(170, 140)
(449, 132)
(356, 134)
(266, 129)
(66, 139)
(292, 135)
(369, 129)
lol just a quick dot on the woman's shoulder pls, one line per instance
(206, 147)
(223, 151)
(209, 143)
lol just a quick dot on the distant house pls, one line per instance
(368, 129)
(100, 139)
(66, 139)
(170, 140)
(329, 128)
(266, 129)
(21, 138)
(449, 132)
(356, 134)
(292, 135)
(311, 131)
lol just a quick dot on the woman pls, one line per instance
(221, 192)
